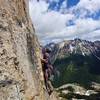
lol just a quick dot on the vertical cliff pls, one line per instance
(21, 76)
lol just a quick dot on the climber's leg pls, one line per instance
(46, 74)
(50, 87)
(47, 82)
(46, 78)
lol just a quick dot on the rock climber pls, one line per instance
(47, 68)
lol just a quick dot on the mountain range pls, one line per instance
(77, 67)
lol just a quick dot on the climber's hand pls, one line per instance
(44, 60)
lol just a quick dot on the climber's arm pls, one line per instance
(44, 60)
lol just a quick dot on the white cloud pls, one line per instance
(86, 7)
(51, 25)
(94, 35)
(47, 23)
(86, 25)
(63, 7)
(91, 5)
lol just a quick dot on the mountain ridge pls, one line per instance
(71, 46)
(77, 69)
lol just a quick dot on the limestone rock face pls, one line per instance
(21, 76)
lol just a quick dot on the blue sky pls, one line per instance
(69, 3)
(72, 3)
(57, 20)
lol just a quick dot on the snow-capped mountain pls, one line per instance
(76, 46)
(77, 65)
